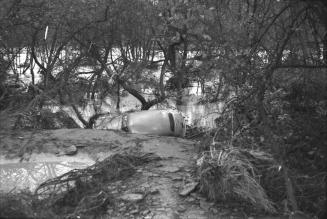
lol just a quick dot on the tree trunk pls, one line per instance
(179, 98)
(118, 97)
(79, 115)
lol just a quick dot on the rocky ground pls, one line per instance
(163, 188)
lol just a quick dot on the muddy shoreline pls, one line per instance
(163, 188)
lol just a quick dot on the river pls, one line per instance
(16, 175)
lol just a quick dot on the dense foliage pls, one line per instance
(265, 59)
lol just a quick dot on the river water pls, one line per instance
(16, 176)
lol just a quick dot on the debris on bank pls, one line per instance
(79, 193)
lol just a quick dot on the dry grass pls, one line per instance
(233, 174)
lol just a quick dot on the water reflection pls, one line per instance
(28, 175)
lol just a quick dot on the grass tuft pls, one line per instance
(231, 174)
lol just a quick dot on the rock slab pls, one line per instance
(188, 188)
(132, 197)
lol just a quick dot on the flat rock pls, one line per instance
(170, 169)
(70, 150)
(188, 188)
(149, 174)
(132, 197)
(177, 178)
(181, 209)
(190, 199)
(135, 211)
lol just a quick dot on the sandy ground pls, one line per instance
(159, 184)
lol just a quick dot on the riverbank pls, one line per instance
(165, 187)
